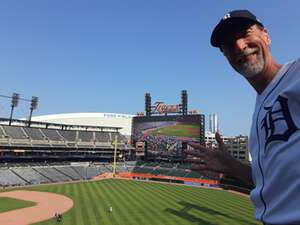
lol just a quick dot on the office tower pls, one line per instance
(213, 123)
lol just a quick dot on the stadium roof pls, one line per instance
(81, 115)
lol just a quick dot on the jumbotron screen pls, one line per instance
(164, 135)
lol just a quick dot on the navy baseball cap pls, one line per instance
(231, 22)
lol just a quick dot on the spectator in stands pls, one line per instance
(275, 134)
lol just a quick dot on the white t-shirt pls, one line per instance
(275, 149)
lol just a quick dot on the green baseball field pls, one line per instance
(141, 203)
(8, 204)
(179, 130)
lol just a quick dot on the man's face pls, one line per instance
(246, 50)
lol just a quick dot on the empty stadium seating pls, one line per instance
(102, 137)
(69, 135)
(38, 173)
(9, 178)
(56, 138)
(86, 136)
(30, 175)
(52, 134)
(34, 133)
(15, 132)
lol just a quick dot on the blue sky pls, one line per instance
(103, 56)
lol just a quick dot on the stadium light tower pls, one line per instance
(148, 104)
(14, 103)
(184, 102)
(33, 106)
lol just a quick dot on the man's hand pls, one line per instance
(202, 158)
(217, 160)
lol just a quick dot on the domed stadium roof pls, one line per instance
(91, 119)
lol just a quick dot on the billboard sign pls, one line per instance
(164, 135)
(162, 108)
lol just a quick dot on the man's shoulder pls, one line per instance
(293, 71)
(293, 64)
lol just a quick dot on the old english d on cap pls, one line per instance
(232, 21)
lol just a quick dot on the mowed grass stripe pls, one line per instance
(110, 201)
(229, 206)
(153, 199)
(141, 203)
(195, 194)
(137, 194)
(80, 218)
(147, 201)
(130, 204)
(102, 202)
(225, 205)
(73, 211)
(156, 187)
(205, 195)
(68, 191)
(183, 193)
(89, 201)
(180, 211)
(233, 202)
(117, 187)
(71, 216)
(93, 199)
(84, 202)
(162, 199)
(239, 200)
(118, 201)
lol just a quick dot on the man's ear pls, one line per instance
(267, 36)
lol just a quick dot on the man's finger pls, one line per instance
(219, 140)
(197, 146)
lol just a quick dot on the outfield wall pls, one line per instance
(170, 179)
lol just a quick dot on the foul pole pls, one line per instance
(115, 155)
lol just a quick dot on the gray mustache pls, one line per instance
(246, 52)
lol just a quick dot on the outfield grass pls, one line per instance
(141, 203)
(7, 204)
(180, 130)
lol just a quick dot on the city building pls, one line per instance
(237, 146)
(213, 123)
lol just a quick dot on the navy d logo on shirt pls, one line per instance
(277, 122)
